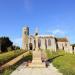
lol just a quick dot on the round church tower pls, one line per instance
(25, 35)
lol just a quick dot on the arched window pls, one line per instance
(34, 44)
(65, 44)
(46, 43)
(30, 46)
(39, 43)
(25, 32)
(30, 40)
(49, 42)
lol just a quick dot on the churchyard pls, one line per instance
(64, 62)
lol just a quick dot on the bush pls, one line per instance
(5, 42)
(9, 48)
(13, 48)
(7, 72)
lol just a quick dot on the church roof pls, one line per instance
(61, 39)
(51, 36)
(73, 45)
(31, 36)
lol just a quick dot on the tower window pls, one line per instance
(25, 33)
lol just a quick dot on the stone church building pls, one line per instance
(49, 42)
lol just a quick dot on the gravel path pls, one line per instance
(22, 70)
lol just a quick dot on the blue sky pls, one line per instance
(50, 16)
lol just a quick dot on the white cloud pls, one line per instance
(58, 31)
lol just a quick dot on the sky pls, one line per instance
(54, 17)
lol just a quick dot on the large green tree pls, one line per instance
(5, 42)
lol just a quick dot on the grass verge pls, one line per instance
(65, 62)
(10, 69)
(5, 57)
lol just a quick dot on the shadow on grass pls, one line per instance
(51, 59)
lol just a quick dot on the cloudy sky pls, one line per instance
(50, 16)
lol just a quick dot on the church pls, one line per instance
(49, 42)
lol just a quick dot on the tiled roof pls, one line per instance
(61, 39)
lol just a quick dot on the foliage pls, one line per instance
(16, 47)
(5, 43)
(7, 72)
(13, 48)
(65, 63)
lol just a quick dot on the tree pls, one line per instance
(5, 43)
(13, 47)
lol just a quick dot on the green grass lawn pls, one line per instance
(10, 69)
(65, 62)
(5, 57)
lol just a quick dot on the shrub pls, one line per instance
(5, 42)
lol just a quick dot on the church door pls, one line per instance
(30, 46)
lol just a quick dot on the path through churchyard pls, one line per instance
(23, 70)
(37, 67)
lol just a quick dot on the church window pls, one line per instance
(39, 43)
(25, 33)
(46, 43)
(34, 43)
(49, 42)
(30, 40)
(65, 44)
